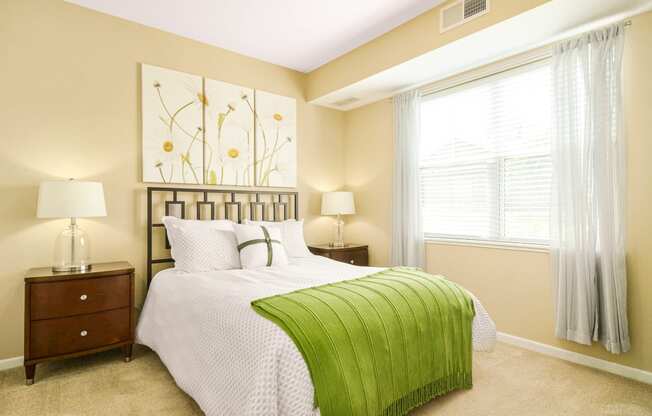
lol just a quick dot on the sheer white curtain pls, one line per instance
(588, 211)
(407, 234)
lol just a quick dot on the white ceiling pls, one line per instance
(298, 34)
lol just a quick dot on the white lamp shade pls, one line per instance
(337, 203)
(70, 199)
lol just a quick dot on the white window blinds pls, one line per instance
(485, 166)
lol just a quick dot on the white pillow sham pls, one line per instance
(199, 245)
(260, 246)
(292, 233)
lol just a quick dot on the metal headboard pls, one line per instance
(289, 201)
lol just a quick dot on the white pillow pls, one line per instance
(199, 246)
(260, 246)
(292, 233)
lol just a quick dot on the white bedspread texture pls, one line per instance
(228, 358)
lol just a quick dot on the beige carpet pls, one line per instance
(509, 381)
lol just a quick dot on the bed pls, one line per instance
(228, 358)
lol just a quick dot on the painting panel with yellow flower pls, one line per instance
(229, 124)
(276, 140)
(172, 105)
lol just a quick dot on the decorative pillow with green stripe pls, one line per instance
(260, 246)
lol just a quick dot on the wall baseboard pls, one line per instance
(577, 358)
(574, 357)
(8, 363)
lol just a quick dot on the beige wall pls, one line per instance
(368, 158)
(70, 93)
(409, 40)
(515, 286)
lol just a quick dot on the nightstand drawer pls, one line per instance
(355, 257)
(75, 297)
(78, 333)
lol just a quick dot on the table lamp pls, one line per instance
(338, 203)
(71, 199)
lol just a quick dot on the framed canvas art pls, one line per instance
(276, 140)
(229, 134)
(202, 131)
(172, 126)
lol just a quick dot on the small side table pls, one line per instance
(68, 314)
(356, 254)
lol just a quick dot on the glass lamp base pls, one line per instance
(71, 250)
(339, 234)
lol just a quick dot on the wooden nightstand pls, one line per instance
(77, 313)
(351, 253)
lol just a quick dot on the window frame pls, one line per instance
(537, 58)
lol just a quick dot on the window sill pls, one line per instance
(540, 248)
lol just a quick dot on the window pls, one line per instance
(485, 168)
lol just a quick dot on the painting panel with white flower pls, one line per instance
(172, 105)
(229, 135)
(276, 140)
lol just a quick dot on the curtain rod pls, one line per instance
(425, 91)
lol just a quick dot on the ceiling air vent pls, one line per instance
(462, 11)
(345, 102)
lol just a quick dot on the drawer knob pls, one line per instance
(83, 333)
(83, 297)
(352, 261)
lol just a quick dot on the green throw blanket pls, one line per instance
(381, 344)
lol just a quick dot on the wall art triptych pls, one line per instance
(202, 131)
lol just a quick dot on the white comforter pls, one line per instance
(228, 358)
